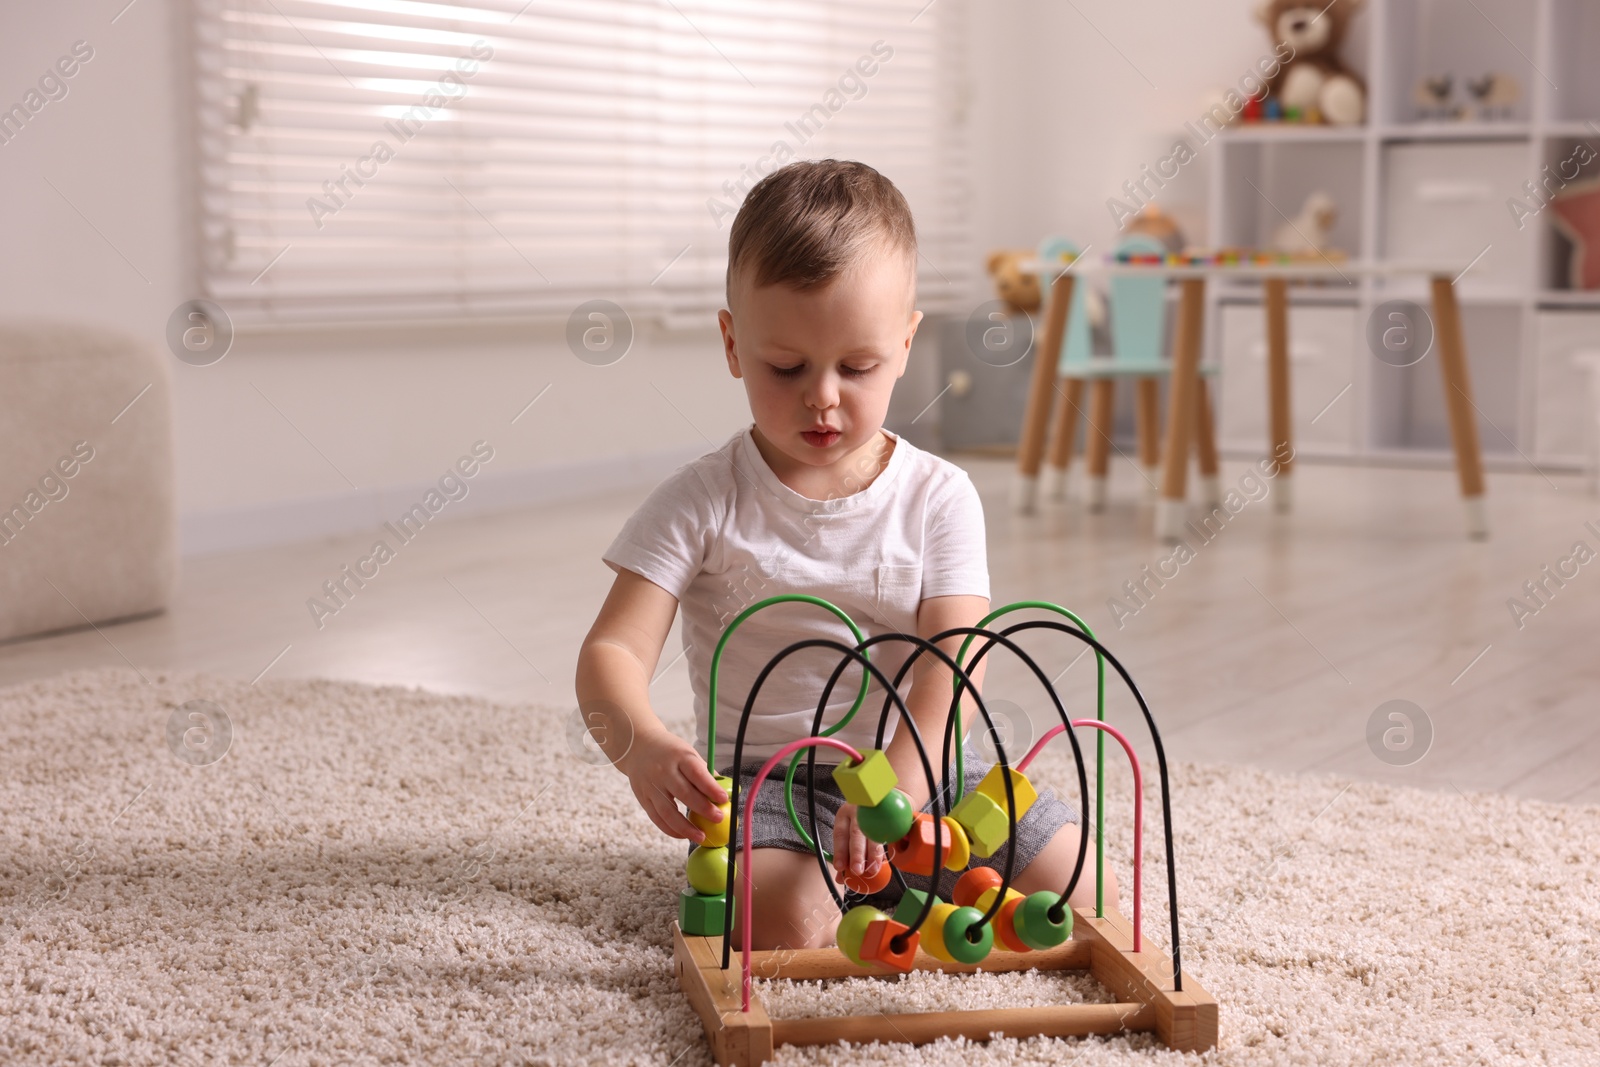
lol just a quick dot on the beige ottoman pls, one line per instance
(88, 524)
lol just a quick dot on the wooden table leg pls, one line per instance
(1097, 446)
(1205, 440)
(1148, 416)
(1062, 432)
(1277, 307)
(1458, 399)
(1036, 418)
(1181, 409)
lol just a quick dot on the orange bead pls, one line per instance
(866, 884)
(971, 885)
(914, 852)
(1005, 931)
(877, 944)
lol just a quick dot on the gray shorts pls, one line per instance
(772, 829)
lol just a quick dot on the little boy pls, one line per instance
(814, 497)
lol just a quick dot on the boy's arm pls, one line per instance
(932, 688)
(615, 664)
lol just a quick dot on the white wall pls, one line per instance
(1062, 116)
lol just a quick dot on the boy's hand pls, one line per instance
(664, 769)
(853, 851)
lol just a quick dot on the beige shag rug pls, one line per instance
(395, 877)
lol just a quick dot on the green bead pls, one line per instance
(866, 783)
(708, 870)
(888, 820)
(852, 928)
(955, 935)
(701, 914)
(1033, 924)
(905, 913)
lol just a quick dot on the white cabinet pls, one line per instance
(1322, 345)
(1561, 402)
(1447, 202)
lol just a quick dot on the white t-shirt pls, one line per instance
(722, 533)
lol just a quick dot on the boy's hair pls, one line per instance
(806, 222)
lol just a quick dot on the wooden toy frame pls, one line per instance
(1185, 1021)
(1153, 993)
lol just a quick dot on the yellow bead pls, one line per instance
(960, 853)
(933, 932)
(993, 786)
(984, 821)
(864, 784)
(986, 897)
(716, 832)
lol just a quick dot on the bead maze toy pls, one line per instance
(987, 925)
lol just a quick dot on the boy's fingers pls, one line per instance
(674, 822)
(702, 779)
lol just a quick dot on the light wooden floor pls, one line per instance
(1272, 647)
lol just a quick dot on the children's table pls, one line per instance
(1183, 402)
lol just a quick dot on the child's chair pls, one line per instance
(1138, 320)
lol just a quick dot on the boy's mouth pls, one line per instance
(820, 439)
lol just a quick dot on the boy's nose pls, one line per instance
(824, 391)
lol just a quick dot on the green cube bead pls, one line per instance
(984, 821)
(700, 914)
(905, 913)
(867, 782)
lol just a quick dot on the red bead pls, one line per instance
(866, 884)
(877, 944)
(971, 885)
(1005, 931)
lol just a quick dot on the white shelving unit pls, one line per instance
(1413, 188)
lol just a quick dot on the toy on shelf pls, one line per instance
(1308, 232)
(1314, 85)
(987, 924)
(1017, 288)
(1494, 98)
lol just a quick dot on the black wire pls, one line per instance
(738, 760)
(1161, 762)
(935, 793)
(964, 682)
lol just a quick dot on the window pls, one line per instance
(375, 159)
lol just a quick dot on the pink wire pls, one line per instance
(749, 815)
(1138, 810)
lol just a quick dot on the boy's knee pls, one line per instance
(795, 922)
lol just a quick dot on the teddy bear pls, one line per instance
(1315, 79)
(1019, 289)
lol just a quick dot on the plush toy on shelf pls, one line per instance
(1315, 84)
(1309, 231)
(1019, 289)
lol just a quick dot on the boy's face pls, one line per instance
(823, 358)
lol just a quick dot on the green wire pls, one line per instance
(1100, 738)
(794, 764)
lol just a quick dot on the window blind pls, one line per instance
(374, 159)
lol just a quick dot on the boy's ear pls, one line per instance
(725, 325)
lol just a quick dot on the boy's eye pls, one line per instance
(849, 372)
